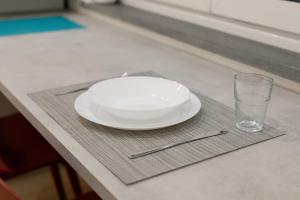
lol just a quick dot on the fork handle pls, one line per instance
(164, 147)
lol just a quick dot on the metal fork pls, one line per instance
(168, 146)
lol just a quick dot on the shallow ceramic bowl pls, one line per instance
(137, 97)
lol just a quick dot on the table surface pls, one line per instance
(30, 63)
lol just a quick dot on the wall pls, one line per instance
(213, 19)
(20, 6)
(74, 4)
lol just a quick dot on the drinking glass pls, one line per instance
(252, 93)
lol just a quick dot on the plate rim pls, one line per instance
(194, 100)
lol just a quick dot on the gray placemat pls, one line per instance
(112, 147)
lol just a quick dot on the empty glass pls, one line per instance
(252, 93)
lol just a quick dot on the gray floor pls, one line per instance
(38, 185)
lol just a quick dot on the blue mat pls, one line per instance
(9, 27)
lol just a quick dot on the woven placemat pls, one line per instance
(112, 147)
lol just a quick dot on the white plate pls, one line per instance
(83, 103)
(137, 97)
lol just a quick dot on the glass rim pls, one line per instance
(267, 78)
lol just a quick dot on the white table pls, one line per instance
(29, 63)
